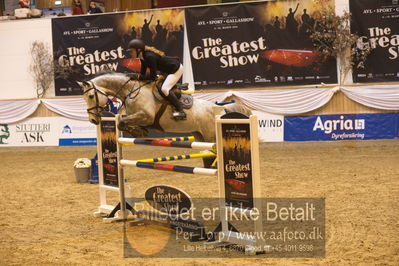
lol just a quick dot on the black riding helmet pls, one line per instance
(135, 44)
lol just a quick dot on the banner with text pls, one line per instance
(341, 127)
(76, 132)
(256, 45)
(36, 131)
(85, 45)
(270, 127)
(48, 131)
(377, 24)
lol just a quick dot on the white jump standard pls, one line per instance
(239, 187)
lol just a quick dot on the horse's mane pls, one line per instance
(109, 72)
(109, 78)
(103, 72)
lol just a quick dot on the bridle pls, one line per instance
(99, 108)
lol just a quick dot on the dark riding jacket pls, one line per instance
(164, 64)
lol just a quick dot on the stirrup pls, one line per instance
(179, 115)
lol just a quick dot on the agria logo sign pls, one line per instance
(4, 133)
(341, 128)
(341, 124)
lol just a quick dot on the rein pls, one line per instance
(99, 108)
(137, 91)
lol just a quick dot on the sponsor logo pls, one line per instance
(238, 81)
(309, 77)
(204, 83)
(230, 81)
(77, 129)
(66, 130)
(298, 78)
(259, 79)
(270, 123)
(290, 78)
(282, 79)
(4, 133)
(221, 82)
(329, 126)
(212, 82)
(197, 83)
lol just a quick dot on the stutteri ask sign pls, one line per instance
(47, 131)
(30, 132)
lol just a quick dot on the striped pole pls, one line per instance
(168, 143)
(168, 167)
(187, 138)
(178, 157)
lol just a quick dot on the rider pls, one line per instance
(157, 60)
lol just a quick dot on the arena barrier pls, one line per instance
(235, 133)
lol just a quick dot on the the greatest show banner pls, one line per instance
(256, 45)
(377, 24)
(85, 45)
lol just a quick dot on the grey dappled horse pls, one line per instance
(144, 109)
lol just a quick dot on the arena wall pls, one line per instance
(17, 37)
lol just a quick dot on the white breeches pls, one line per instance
(171, 80)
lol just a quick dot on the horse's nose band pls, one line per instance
(97, 107)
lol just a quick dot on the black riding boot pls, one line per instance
(178, 113)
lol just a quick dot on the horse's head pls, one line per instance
(96, 99)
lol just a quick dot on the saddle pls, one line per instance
(185, 99)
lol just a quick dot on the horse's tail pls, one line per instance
(237, 107)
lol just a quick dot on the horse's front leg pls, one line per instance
(134, 124)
